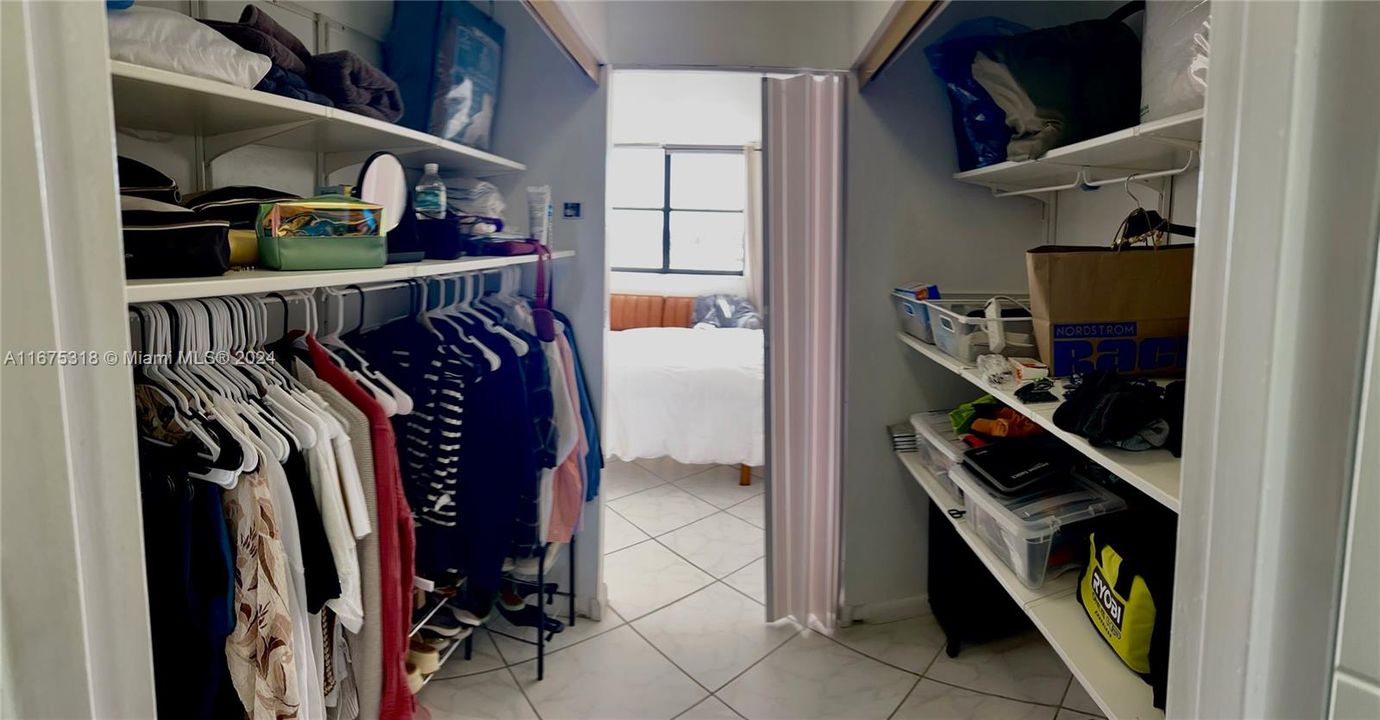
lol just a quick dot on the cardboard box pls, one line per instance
(1097, 308)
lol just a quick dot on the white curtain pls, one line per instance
(804, 173)
(753, 269)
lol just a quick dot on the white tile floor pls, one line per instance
(685, 636)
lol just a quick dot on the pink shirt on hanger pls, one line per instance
(569, 482)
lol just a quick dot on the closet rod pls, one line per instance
(1077, 183)
(1136, 177)
(277, 303)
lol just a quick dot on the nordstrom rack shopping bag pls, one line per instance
(1121, 310)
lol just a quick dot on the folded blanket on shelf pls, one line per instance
(281, 81)
(255, 40)
(357, 86)
(255, 18)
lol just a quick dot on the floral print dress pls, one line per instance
(259, 651)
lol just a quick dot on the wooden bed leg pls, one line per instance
(744, 475)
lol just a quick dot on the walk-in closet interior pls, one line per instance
(1046, 296)
(987, 567)
(1069, 326)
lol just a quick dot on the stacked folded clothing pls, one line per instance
(280, 81)
(257, 32)
(357, 86)
(340, 79)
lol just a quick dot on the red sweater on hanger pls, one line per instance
(397, 540)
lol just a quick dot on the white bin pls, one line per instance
(912, 316)
(965, 338)
(938, 448)
(1038, 535)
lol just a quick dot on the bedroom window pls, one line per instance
(677, 209)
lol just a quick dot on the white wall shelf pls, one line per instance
(1157, 146)
(228, 117)
(1056, 612)
(247, 282)
(1153, 472)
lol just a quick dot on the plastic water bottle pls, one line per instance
(430, 197)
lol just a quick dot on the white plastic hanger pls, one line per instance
(474, 286)
(148, 323)
(231, 320)
(201, 396)
(225, 400)
(237, 401)
(441, 313)
(152, 343)
(401, 401)
(195, 337)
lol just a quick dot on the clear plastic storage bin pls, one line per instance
(938, 448)
(966, 337)
(1038, 535)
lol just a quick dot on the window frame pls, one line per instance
(665, 209)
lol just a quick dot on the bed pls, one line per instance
(695, 395)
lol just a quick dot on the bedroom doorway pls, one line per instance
(684, 521)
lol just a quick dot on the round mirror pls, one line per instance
(383, 181)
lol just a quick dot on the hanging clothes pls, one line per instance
(465, 477)
(280, 530)
(568, 487)
(594, 457)
(327, 487)
(190, 566)
(320, 578)
(309, 694)
(191, 585)
(395, 537)
(364, 646)
(260, 651)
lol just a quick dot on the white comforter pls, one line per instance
(693, 394)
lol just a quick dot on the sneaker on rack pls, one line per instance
(429, 607)
(445, 624)
(531, 616)
(438, 641)
(468, 611)
(528, 567)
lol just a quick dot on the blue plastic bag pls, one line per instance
(980, 130)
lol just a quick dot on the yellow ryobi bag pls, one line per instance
(1126, 591)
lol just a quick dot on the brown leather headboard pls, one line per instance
(639, 311)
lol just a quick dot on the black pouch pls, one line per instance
(140, 180)
(442, 239)
(1021, 465)
(405, 241)
(237, 204)
(163, 240)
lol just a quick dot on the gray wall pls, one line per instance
(554, 119)
(753, 33)
(906, 220)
